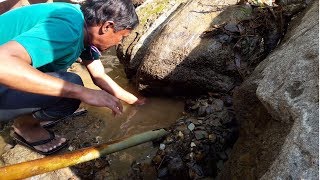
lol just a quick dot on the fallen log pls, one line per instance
(51, 163)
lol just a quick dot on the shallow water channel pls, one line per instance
(158, 112)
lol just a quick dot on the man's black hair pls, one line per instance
(121, 12)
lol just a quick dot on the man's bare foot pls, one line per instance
(30, 129)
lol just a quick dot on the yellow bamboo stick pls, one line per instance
(51, 163)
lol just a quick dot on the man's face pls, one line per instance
(106, 37)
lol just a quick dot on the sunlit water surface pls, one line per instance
(157, 113)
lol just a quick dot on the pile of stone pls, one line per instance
(200, 142)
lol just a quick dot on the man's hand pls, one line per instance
(102, 99)
(102, 80)
(140, 101)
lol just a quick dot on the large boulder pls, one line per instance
(200, 46)
(278, 110)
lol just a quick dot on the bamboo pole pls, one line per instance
(51, 163)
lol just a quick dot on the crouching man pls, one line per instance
(38, 43)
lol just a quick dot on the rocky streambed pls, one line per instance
(198, 143)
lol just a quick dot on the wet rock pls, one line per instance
(232, 27)
(223, 38)
(228, 101)
(217, 105)
(193, 120)
(210, 109)
(191, 126)
(71, 148)
(180, 134)
(182, 127)
(163, 172)
(195, 106)
(175, 165)
(200, 128)
(202, 110)
(200, 134)
(195, 171)
(215, 123)
(162, 146)
(169, 140)
(193, 144)
(212, 137)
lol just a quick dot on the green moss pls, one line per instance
(153, 10)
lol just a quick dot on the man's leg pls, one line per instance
(43, 108)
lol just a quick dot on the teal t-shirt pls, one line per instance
(52, 33)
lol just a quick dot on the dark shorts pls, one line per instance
(14, 103)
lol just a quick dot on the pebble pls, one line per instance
(98, 139)
(163, 172)
(200, 134)
(212, 137)
(202, 110)
(70, 148)
(191, 155)
(168, 140)
(195, 106)
(192, 144)
(191, 126)
(180, 134)
(162, 146)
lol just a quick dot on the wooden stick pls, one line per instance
(51, 163)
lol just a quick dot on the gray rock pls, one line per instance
(232, 27)
(200, 134)
(191, 126)
(163, 172)
(278, 109)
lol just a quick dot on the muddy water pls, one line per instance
(156, 113)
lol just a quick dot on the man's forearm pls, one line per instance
(107, 84)
(102, 80)
(19, 75)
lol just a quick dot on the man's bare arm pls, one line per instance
(17, 73)
(101, 79)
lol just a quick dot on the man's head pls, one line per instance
(109, 21)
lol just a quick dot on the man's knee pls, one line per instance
(68, 76)
(74, 78)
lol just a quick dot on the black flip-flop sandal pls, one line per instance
(19, 139)
(77, 113)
